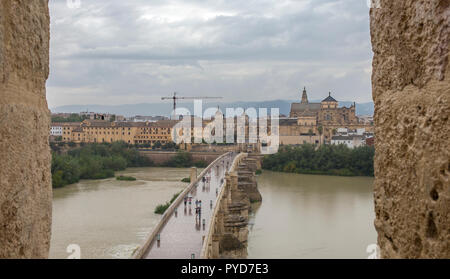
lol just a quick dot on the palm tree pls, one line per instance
(320, 129)
(310, 132)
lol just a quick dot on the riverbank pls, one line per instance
(94, 161)
(100, 161)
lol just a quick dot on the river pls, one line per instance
(109, 218)
(313, 217)
(301, 216)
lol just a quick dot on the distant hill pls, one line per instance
(165, 108)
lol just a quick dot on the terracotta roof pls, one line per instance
(131, 124)
(96, 123)
(54, 124)
(164, 123)
(300, 108)
(288, 122)
(71, 124)
(102, 123)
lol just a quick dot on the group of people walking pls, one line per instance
(198, 210)
(206, 181)
(198, 206)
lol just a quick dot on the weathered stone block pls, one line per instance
(411, 90)
(25, 179)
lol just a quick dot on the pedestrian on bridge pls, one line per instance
(198, 214)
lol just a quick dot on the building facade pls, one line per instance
(351, 141)
(56, 129)
(324, 113)
(99, 131)
(318, 120)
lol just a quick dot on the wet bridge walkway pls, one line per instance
(181, 233)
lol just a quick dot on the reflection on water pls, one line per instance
(308, 216)
(110, 218)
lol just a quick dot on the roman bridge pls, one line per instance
(226, 189)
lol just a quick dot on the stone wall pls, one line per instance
(213, 148)
(162, 157)
(25, 179)
(228, 235)
(411, 90)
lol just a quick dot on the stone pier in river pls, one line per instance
(229, 233)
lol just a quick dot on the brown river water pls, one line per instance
(110, 218)
(301, 216)
(312, 217)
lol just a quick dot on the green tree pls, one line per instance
(57, 179)
(95, 161)
(320, 129)
(74, 117)
(327, 159)
(157, 145)
(180, 160)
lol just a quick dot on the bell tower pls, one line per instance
(304, 97)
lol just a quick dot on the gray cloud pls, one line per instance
(114, 52)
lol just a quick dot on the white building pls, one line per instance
(360, 131)
(56, 130)
(349, 141)
(342, 131)
(366, 119)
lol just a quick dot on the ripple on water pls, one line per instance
(122, 251)
(143, 233)
(109, 218)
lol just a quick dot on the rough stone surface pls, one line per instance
(243, 188)
(25, 180)
(230, 224)
(411, 90)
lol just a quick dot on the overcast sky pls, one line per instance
(124, 52)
